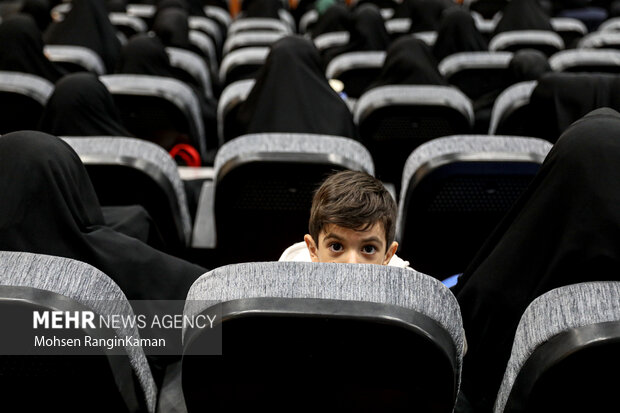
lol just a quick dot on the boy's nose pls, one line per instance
(352, 258)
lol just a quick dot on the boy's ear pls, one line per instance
(312, 248)
(389, 253)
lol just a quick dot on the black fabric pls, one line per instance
(261, 8)
(367, 32)
(49, 207)
(21, 48)
(523, 15)
(565, 229)
(457, 32)
(336, 18)
(145, 54)
(559, 99)
(528, 64)
(87, 25)
(81, 106)
(291, 94)
(40, 10)
(134, 221)
(425, 15)
(172, 27)
(409, 61)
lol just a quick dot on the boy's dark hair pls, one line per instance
(353, 200)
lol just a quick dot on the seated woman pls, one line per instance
(291, 94)
(564, 229)
(82, 106)
(409, 61)
(21, 49)
(457, 32)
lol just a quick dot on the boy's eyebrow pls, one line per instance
(332, 235)
(372, 239)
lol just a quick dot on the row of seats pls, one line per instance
(453, 188)
(293, 332)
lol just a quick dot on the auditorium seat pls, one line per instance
(23, 97)
(67, 379)
(228, 104)
(193, 65)
(251, 38)
(326, 41)
(129, 171)
(128, 25)
(159, 109)
(356, 70)
(476, 73)
(454, 192)
(547, 42)
(565, 352)
(612, 24)
(600, 40)
(75, 58)
(398, 27)
(242, 64)
(571, 30)
(393, 120)
(258, 23)
(314, 337)
(427, 37)
(206, 46)
(511, 114)
(209, 27)
(308, 20)
(264, 185)
(586, 60)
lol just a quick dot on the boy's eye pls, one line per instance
(369, 249)
(335, 247)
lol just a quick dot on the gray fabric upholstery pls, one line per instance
(258, 23)
(427, 37)
(611, 24)
(510, 99)
(295, 143)
(148, 154)
(219, 14)
(332, 39)
(398, 26)
(558, 310)
(310, 17)
(36, 87)
(192, 64)
(245, 56)
(472, 147)
(79, 55)
(206, 46)
(571, 58)
(88, 286)
(568, 24)
(352, 282)
(207, 26)
(252, 38)
(474, 60)
(504, 40)
(485, 25)
(600, 40)
(173, 90)
(123, 19)
(413, 95)
(354, 60)
(232, 95)
(141, 10)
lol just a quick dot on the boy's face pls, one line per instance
(344, 245)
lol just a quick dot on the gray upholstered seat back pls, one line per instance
(558, 310)
(351, 282)
(86, 285)
(148, 156)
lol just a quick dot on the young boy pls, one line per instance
(352, 220)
